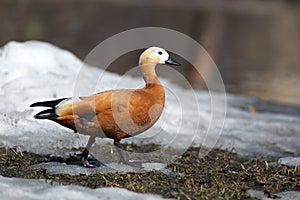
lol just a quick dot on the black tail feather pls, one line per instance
(46, 114)
(50, 104)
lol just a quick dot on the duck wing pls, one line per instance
(75, 106)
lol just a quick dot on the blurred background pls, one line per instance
(255, 43)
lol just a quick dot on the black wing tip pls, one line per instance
(34, 104)
(50, 104)
(46, 114)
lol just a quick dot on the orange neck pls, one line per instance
(149, 74)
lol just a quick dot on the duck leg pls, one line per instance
(84, 155)
(122, 158)
(120, 153)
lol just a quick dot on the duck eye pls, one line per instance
(160, 53)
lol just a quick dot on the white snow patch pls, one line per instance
(287, 195)
(290, 161)
(14, 189)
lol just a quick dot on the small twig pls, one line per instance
(19, 151)
(14, 151)
(109, 183)
(6, 149)
(183, 194)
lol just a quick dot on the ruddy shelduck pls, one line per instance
(114, 114)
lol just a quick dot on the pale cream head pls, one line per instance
(156, 55)
(153, 55)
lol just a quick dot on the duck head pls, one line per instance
(156, 55)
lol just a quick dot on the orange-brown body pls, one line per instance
(115, 114)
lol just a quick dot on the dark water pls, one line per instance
(257, 48)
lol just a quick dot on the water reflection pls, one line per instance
(256, 45)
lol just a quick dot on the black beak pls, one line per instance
(170, 61)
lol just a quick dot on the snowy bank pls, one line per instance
(14, 189)
(33, 71)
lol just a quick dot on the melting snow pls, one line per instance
(14, 189)
(34, 71)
